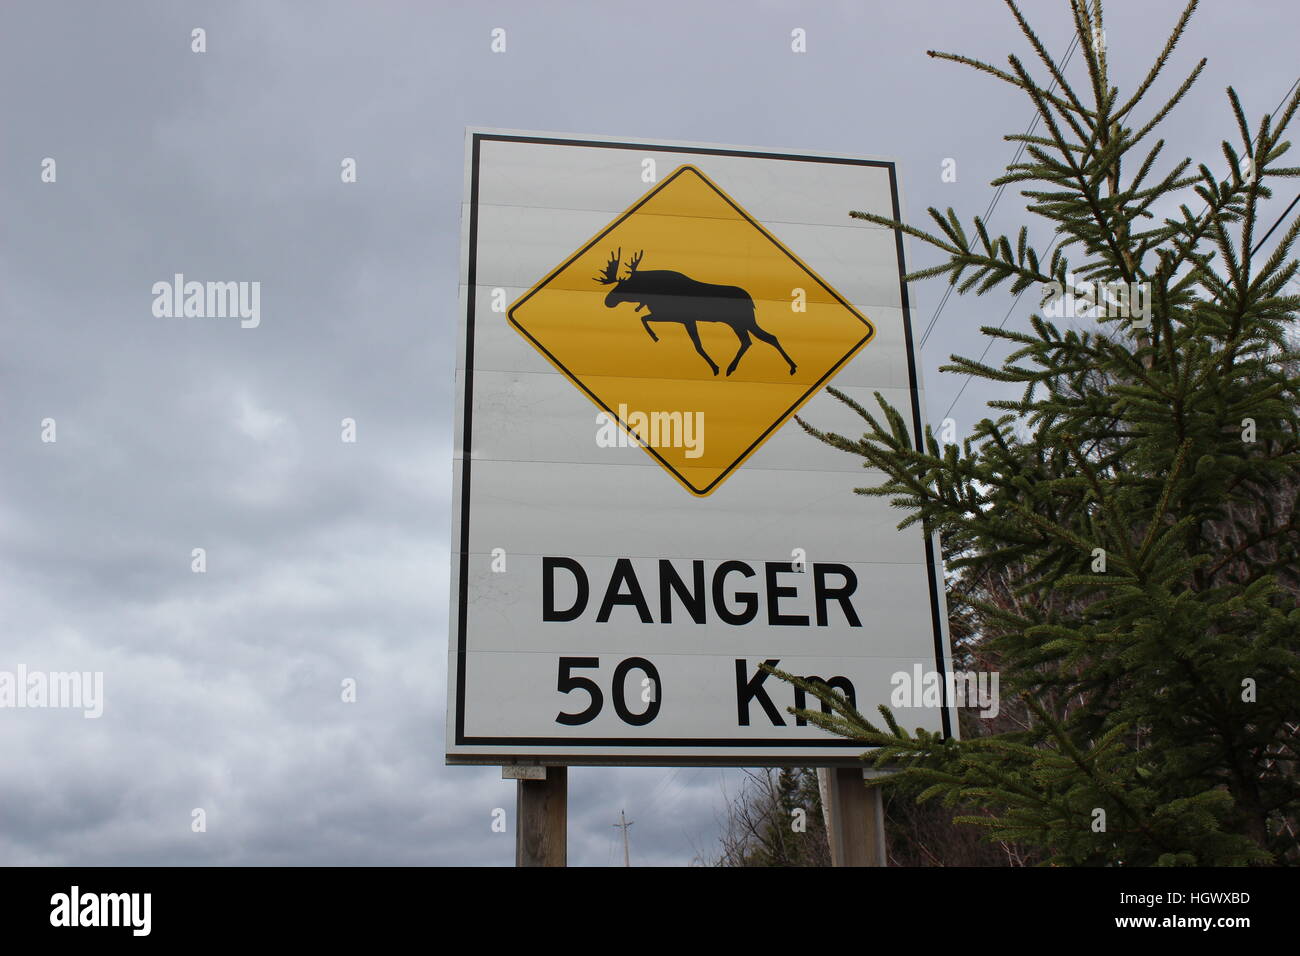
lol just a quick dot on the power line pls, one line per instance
(989, 345)
(664, 782)
(1285, 213)
(672, 796)
(1020, 151)
(1016, 300)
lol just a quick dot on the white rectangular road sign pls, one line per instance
(638, 522)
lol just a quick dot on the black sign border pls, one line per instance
(462, 609)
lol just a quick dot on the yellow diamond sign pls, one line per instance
(692, 327)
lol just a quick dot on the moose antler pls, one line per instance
(610, 275)
(633, 263)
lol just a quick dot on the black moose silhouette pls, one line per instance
(673, 297)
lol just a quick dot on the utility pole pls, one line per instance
(624, 824)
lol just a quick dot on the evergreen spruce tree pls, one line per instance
(1123, 535)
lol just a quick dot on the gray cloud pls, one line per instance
(328, 560)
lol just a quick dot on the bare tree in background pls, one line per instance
(775, 820)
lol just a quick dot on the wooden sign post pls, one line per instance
(855, 818)
(541, 814)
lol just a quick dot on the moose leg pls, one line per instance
(771, 340)
(695, 338)
(646, 322)
(745, 343)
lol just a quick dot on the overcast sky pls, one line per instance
(325, 560)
